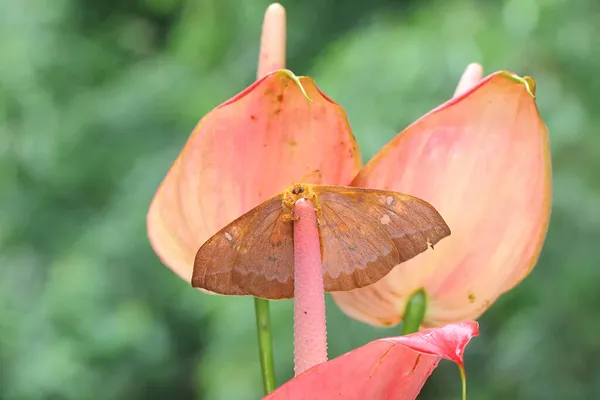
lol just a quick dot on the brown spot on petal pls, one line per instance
(376, 366)
(471, 297)
(485, 305)
(385, 323)
(416, 363)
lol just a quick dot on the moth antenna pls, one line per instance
(315, 172)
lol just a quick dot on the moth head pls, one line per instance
(297, 189)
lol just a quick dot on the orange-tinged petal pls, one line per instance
(244, 151)
(483, 161)
(390, 368)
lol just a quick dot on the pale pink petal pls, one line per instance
(391, 368)
(483, 161)
(244, 151)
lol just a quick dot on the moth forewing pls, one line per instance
(364, 233)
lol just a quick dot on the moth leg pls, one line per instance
(289, 217)
(318, 211)
(314, 200)
(288, 205)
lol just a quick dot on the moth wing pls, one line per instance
(365, 233)
(253, 255)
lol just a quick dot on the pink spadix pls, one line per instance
(310, 333)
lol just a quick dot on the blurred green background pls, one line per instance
(98, 97)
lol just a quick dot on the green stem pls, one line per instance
(265, 344)
(414, 312)
(463, 379)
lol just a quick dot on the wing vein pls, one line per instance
(375, 223)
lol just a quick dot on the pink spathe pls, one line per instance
(391, 368)
(483, 161)
(243, 152)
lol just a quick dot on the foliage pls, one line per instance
(96, 100)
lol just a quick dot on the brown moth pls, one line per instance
(364, 233)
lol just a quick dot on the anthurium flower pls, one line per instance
(241, 153)
(483, 161)
(390, 368)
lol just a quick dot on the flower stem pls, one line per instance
(414, 312)
(265, 347)
(310, 333)
(463, 379)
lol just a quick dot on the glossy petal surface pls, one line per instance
(244, 151)
(483, 161)
(391, 368)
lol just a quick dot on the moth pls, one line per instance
(364, 234)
